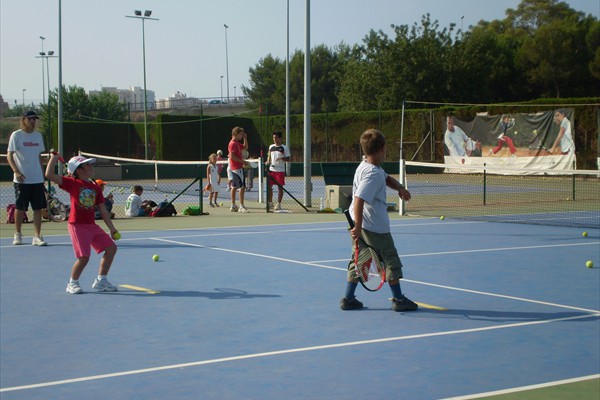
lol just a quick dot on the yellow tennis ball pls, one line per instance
(116, 236)
(155, 257)
(221, 204)
(535, 131)
(584, 234)
(516, 133)
(589, 264)
(442, 218)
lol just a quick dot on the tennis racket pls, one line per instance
(368, 262)
(57, 211)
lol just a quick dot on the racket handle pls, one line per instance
(62, 160)
(349, 218)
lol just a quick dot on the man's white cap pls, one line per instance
(219, 152)
(77, 161)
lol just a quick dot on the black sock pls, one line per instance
(396, 291)
(350, 289)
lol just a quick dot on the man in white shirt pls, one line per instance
(24, 156)
(457, 141)
(277, 156)
(565, 135)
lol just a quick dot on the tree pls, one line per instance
(267, 81)
(107, 106)
(553, 55)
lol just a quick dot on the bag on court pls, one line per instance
(10, 214)
(191, 210)
(164, 209)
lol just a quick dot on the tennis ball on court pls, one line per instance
(442, 218)
(221, 204)
(584, 234)
(155, 257)
(116, 236)
(589, 264)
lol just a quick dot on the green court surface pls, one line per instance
(584, 390)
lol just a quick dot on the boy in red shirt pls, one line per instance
(85, 196)
(236, 165)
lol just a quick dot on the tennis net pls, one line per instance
(181, 182)
(531, 196)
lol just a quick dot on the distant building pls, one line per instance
(3, 105)
(178, 100)
(133, 97)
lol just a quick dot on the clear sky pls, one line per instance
(185, 49)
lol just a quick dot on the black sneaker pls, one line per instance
(404, 304)
(352, 304)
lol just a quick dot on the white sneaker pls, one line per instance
(242, 209)
(234, 208)
(103, 285)
(38, 241)
(74, 288)
(277, 207)
(18, 239)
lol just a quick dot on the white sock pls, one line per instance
(100, 277)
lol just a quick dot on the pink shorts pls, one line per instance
(278, 177)
(84, 236)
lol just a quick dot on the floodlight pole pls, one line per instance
(226, 62)
(42, 54)
(287, 89)
(138, 15)
(307, 127)
(221, 88)
(60, 88)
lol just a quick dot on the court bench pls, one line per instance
(338, 177)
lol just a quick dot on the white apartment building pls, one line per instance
(134, 96)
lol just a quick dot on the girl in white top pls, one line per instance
(212, 175)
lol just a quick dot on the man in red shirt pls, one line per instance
(236, 165)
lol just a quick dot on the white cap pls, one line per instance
(77, 161)
(219, 152)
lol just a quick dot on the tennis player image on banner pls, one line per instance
(542, 140)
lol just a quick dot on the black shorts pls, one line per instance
(238, 182)
(30, 193)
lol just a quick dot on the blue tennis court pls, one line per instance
(252, 312)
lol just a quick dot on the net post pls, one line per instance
(260, 180)
(484, 183)
(200, 192)
(402, 176)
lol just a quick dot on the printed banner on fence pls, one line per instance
(540, 140)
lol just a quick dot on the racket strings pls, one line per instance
(368, 266)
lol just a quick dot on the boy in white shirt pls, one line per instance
(371, 222)
(134, 206)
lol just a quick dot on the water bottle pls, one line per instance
(321, 204)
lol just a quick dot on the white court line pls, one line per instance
(441, 253)
(524, 388)
(314, 264)
(246, 253)
(502, 296)
(288, 351)
(125, 239)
